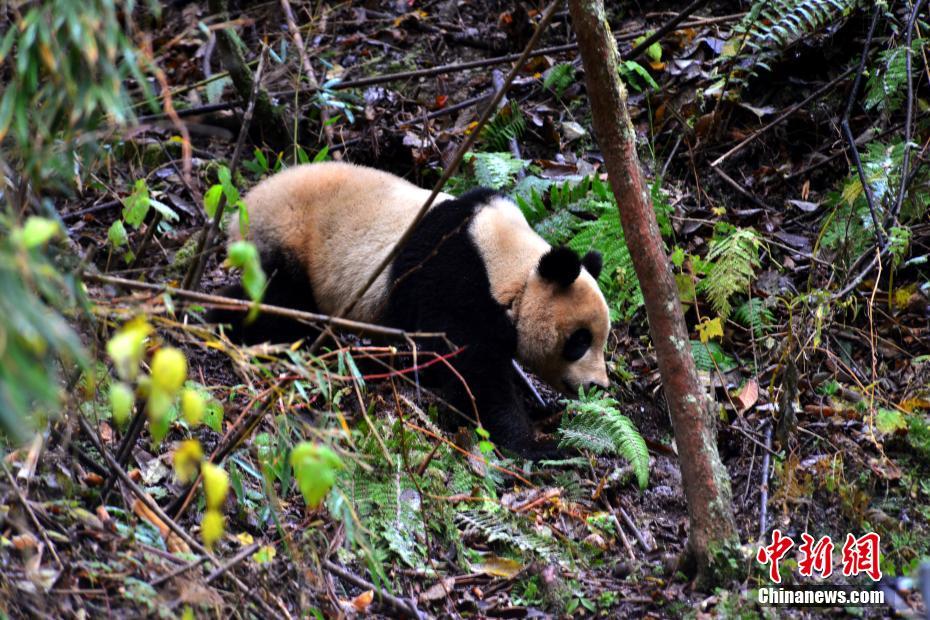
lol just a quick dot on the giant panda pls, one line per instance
(473, 269)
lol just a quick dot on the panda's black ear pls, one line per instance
(560, 265)
(593, 262)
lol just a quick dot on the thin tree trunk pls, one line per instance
(706, 483)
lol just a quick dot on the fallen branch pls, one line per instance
(791, 110)
(409, 609)
(231, 303)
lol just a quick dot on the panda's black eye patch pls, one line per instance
(577, 345)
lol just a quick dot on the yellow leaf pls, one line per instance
(169, 369)
(193, 406)
(710, 328)
(212, 527)
(187, 457)
(245, 539)
(215, 484)
(125, 348)
(719, 211)
(497, 566)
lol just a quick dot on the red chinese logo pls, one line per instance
(771, 554)
(860, 555)
(815, 557)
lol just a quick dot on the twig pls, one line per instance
(791, 110)
(397, 604)
(146, 499)
(908, 117)
(664, 29)
(764, 499)
(431, 71)
(308, 69)
(638, 534)
(742, 190)
(125, 447)
(32, 515)
(848, 134)
(235, 560)
(452, 167)
(146, 240)
(210, 228)
(180, 570)
(244, 306)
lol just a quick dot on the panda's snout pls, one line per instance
(572, 387)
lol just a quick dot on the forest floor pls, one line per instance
(824, 398)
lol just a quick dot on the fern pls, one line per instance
(559, 78)
(772, 26)
(735, 257)
(508, 124)
(753, 314)
(884, 89)
(495, 170)
(496, 525)
(710, 356)
(597, 425)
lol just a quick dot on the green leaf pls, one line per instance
(117, 235)
(121, 401)
(315, 468)
(136, 205)
(37, 231)
(211, 199)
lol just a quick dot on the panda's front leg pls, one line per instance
(493, 382)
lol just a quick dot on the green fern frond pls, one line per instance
(508, 124)
(496, 525)
(597, 425)
(772, 26)
(885, 87)
(710, 356)
(559, 78)
(495, 170)
(735, 258)
(754, 315)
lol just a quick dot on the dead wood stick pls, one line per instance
(150, 503)
(244, 306)
(624, 539)
(407, 608)
(235, 560)
(177, 571)
(667, 27)
(791, 110)
(628, 520)
(32, 515)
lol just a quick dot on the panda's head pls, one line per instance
(562, 321)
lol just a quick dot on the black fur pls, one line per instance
(440, 283)
(288, 286)
(593, 262)
(560, 265)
